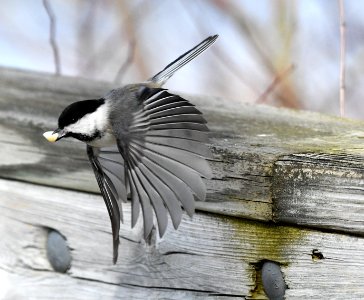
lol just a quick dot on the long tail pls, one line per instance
(161, 77)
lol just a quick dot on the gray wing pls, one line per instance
(164, 153)
(108, 165)
(161, 77)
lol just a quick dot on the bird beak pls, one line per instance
(55, 135)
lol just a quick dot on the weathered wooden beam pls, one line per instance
(320, 189)
(269, 164)
(210, 255)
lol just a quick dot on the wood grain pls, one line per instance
(210, 255)
(255, 153)
(321, 190)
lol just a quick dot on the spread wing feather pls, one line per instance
(163, 147)
(110, 195)
(173, 204)
(181, 133)
(139, 191)
(170, 105)
(160, 157)
(180, 125)
(188, 145)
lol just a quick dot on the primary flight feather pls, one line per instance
(143, 140)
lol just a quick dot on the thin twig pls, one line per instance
(342, 57)
(127, 62)
(257, 41)
(276, 81)
(52, 36)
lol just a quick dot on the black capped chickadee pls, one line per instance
(143, 140)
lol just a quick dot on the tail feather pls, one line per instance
(161, 77)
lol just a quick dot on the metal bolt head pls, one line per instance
(58, 253)
(273, 282)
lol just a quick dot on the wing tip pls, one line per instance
(162, 228)
(115, 250)
(212, 38)
(148, 229)
(176, 222)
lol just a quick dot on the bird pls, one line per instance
(144, 144)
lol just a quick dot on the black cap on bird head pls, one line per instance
(71, 115)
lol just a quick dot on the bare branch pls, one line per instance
(52, 36)
(287, 94)
(276, 81)
(127, 62)
(342, 57)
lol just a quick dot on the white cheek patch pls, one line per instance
(88, 124)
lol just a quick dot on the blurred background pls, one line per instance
(278, 52)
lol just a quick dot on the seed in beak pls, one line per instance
(50, 136)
